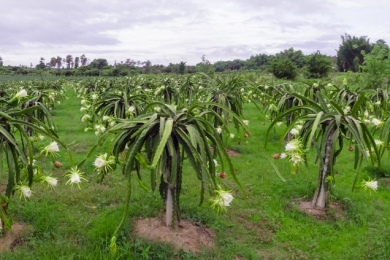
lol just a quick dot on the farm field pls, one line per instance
(69, 222)
(8, 78)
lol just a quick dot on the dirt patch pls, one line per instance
(185, 235)
(281, 251)
(385, 182)
(13, 237)
(79, 148)
(262, 229)
(334, 211)
(3, 188)
(230, 152)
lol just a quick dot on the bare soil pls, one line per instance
(386, 182)
(184, 236)
(3, 188)
(334, 211)
(262, 230)
(13, 237)
(230, 152)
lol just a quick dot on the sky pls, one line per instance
(171, 31)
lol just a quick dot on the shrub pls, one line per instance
(92, 72)
(318, 65)
(376, 66)
(284, 68)
(69, 73)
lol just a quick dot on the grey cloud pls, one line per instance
(327, 47)
(296, 22)
(81, 22)
(42, 27)
(302, 7)
(230, 52)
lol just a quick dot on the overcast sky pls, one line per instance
(180, 30)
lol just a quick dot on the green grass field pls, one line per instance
(72, 223)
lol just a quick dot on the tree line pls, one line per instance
(285, 64)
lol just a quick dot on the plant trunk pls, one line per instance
(169, 198)
(289, 119)
(321, 195)
(169, 207)
(173, 184)
(3, 214)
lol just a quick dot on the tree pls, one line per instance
(41, 64)
(1, 61)
(182, 67)
(349, 54)
(83, 60)
(76, 62)
(130, 63)
(236, 64)
(147, 64)
(98, 63)
(53, 62)
(318, 65)
(220, 66)
(92, 72)
(284, 68)
(170, 68)
(377, 66)
(258, 61)
(59, 62)
(296, 57)
(205, 66)
(69, 61)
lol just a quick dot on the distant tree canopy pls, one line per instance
(41, 65)
(352, 52)
(83, 60)
(76, 62)
(182, 67)
(98, 63)
(376, 66)
(229, 65)
(78, 65)
(205, 66)
(69, 61)
(349, 54)
(297, 57)
(259, 61)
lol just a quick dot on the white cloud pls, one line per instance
(348, 4)
(175, 30)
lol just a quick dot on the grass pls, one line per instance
(72, 223)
